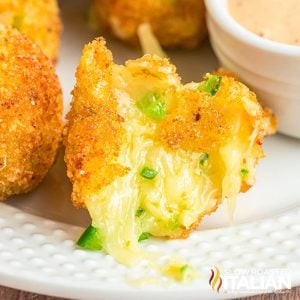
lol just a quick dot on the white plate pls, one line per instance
(37, 251)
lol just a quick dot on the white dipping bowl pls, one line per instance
(271, 69)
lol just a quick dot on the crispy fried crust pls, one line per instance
(94, 130)
(181, 128)
(175, 23)
(30, 114)
(38, 19)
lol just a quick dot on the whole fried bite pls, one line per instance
(175, 23)
(149, 155)
(30, 114)
(38, 19)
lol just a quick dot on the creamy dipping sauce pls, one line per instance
(277, 20)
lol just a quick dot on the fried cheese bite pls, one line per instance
(30, 114)
(38, 19)
(148, 155)
(175, 23)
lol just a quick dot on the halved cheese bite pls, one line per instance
(148, 155)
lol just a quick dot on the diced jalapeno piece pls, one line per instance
(203, 159)
(144, 236)
(244, 173)
(139, 212)
(91, 239)
(211, 85)
(148, 173)
(153, 106)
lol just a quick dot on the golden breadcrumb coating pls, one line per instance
(176, 23)
(38, 19)
(30, 114)
(88, 120)
(203, 147)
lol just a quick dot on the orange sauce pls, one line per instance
(277, 20)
